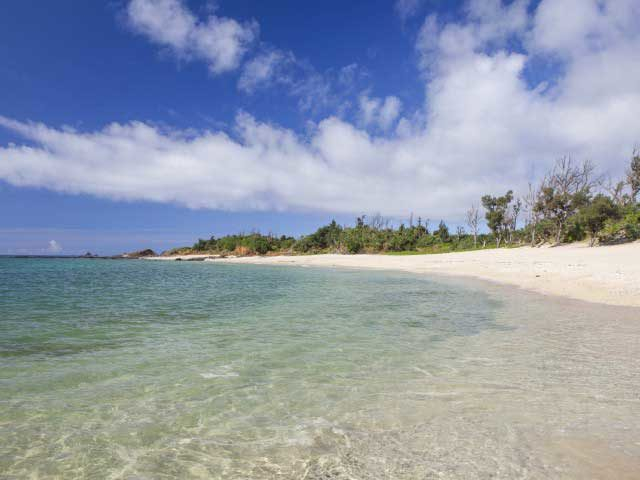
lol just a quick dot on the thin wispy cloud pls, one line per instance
(266, 69)
(226, 44)
(316, 92)
(407, 8)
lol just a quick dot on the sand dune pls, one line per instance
(609, 274)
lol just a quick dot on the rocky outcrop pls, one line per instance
(140, 254)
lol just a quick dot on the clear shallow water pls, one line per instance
(136, 369)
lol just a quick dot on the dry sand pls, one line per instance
(609, 275)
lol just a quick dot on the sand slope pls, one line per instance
(608, 274)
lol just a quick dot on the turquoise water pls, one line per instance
(139, 369)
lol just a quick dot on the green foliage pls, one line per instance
(561, 208)
(564, 192)
(496, 214)
(594, 215)
(253, 243)
(353, 241)
(326, 237)
(443, 232)
(624, 230)
(372, 237)
(633, 175)
(574, 231)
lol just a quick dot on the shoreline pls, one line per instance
(609, 274)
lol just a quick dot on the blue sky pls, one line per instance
(126, 124)
(77, 63)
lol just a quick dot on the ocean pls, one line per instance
(156, 370)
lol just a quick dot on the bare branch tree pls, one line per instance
(473, 222)
(564, 190)
(533, 213)
(511, 218)
(616, 190)
(378, 222)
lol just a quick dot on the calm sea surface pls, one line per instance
(152, 370)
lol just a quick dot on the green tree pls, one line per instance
(633, 175)
(228, 243)
(324, 238)
(443, 232)
(200, 245)
(353, 240)
(496, 214)
(594, 215)
(563, 192)
(259, 244)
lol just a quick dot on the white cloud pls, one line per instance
(369, 108)
(389, 112)
(379, 113)
(483, 129)
(265, 69)
(490, 23)
(494, 20)
(590, 26)
(219, 41)
(223, 43)
(54, 247)
(315, 91)
(339, 168)
(349, 75)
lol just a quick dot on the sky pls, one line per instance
(151, 123)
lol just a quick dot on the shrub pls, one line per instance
(353, 241)
(624, 230)
(593, 217)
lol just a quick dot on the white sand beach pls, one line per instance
(608, 274)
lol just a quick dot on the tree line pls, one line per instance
(569, 204)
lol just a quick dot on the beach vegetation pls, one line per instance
(497, 216)
(569, 204)
(564, 191)
(633, 175)
(244, 244)
(626, 229)
(594, 216)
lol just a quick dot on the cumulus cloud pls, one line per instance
(590, 27)
(221, 42)
(379, 113)
(489, 25)
(485, 127)
(339, 168)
